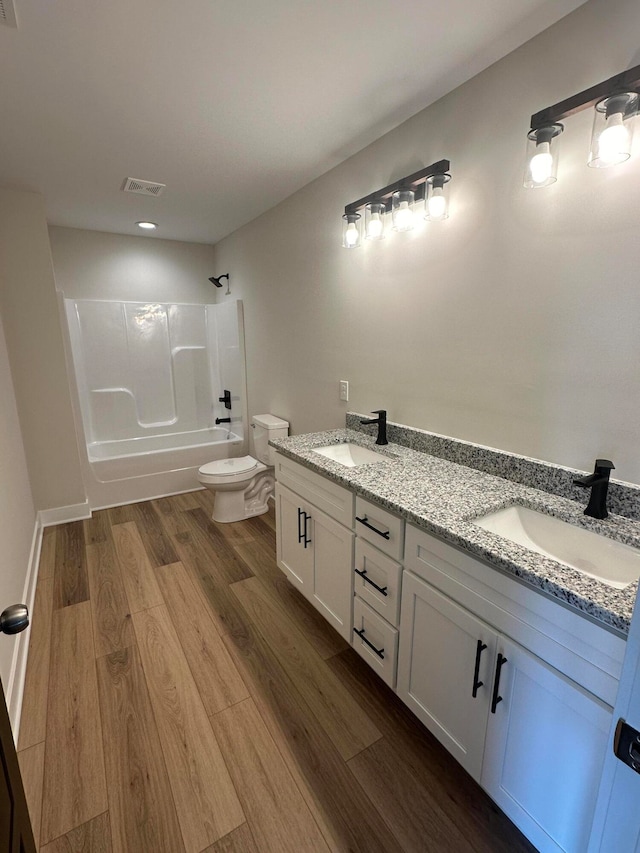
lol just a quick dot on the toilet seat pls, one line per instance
(229, 467)
(226, 472)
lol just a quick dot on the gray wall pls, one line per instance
(17, 512)
(34, 340)
(95, 265)
(515, 322)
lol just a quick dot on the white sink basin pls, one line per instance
(611, 562)
(350, 454)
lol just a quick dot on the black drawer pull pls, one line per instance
(365, 577)
(476, 684)
(302, 530)
(496, 684)
(360, 633)
(365, 521)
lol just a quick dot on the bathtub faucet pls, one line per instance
(223, 421)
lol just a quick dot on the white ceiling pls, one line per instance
(234, 104)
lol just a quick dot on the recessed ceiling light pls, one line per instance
(148, 226)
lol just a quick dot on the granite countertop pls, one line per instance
(444, 498)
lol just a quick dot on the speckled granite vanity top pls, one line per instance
(444, 498)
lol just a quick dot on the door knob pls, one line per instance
(14, 619)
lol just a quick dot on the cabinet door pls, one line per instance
(544, 751)
(295, 556)
(332, 571)
(444, 653)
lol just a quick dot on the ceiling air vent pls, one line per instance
(134, 185)
(8, 13)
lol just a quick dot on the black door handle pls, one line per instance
(306, 540)
(496, 699)
(300, 533)
(365, 577)
(379, 652)
(476, 684)
(365, 521)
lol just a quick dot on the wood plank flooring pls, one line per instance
(182, 697)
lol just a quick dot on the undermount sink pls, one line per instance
(599, 557)
(350, 455)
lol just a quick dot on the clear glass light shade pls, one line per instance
(612, 130)
(402, 210)
(374, 215)
(351, 230)
(437, 198)
(541, 169)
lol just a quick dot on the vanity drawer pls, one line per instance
(381, 528)
(377, 641)
(328, 496)
(377, 580)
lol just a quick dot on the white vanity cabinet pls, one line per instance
(517, 690)
(314, 547)
(445, 669)
(544, 750)
(516, 686)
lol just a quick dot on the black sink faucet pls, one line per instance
(381, 420)
(598, 482)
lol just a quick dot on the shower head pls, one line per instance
(218, 281)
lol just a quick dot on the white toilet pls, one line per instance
(243, 485)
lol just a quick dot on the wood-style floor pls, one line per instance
(182, 697)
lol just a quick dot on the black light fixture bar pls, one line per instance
(415, 182)
(627, 81)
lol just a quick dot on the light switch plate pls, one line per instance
(344, 390)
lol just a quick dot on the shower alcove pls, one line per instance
(149, 382)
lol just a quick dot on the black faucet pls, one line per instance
(226, 399)
(381, 420)
(598, 482)
(223, 421)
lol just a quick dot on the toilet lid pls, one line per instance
(227, 467)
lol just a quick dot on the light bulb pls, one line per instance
(404, 217)
(613, 142)
(374, 229)
(351, 235)
(437, 204)
(541, 164)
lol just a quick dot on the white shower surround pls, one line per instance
(148, 379)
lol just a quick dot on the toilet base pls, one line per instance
(239, 504)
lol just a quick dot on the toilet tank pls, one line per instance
(266, 427)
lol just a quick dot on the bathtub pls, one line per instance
(125, 459)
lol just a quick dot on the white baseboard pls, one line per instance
(15, 687)
(62, 514)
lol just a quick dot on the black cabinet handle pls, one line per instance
(365, 577)
(365, 521)
(300, 533)
(306, 539)
(496, 684)
(360, 633)
(302, 529)
(476, 684)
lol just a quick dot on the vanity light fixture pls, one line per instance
(437, 198)
(400, 198)
(374, 220)
(147, 226)
(351, 226)
(615, 103)
(402, 202)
